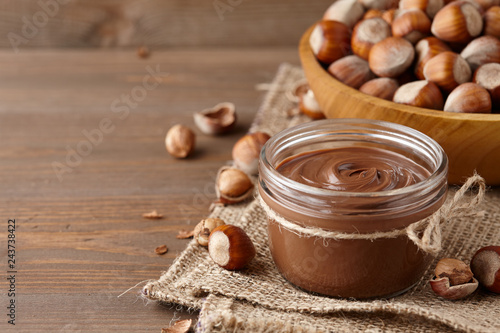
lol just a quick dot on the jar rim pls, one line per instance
(385, 126)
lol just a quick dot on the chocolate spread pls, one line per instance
(353, 169)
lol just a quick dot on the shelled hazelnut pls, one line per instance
(468, 98)
(367, 33)
(382, 87)
(486, 267)
(411, 24)
(453, 279)
(203, 229)
(232, 185)
(180, 141)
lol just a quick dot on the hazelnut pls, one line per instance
(453, 279)
(230, 247)
(458, 22)
(379, 4)
(482, 50)
(246, 151)
(217, 120)
(382, 87)
(411, 24)
(486, 4)
(309, 106)
(391, 57)
(232, 185)
(204, 228)
(367, 33)
(422, 94)
(486, 267)
(180, 141)
(351, 70)
(389, 15)
(330, 41)
(429, 7)
(492, 22)
(297, 90)
(143, 52)
(426, 49)
(346, 11)
(447, 70)
(488, 77)
(371, 13)
(468, 98)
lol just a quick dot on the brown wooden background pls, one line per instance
(159, 23)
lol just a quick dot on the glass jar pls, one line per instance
(356, 268)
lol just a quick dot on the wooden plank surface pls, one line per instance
(158, 23)
(80, 237)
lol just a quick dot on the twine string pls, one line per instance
(426, 233)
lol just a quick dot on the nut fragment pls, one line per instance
(183, 234)
(162, 249)
(486, 267)
(230, 247)
(204, 228)
(180, 326)
(217, 120)
(453, 279)
(442, 287)
(180, 141)
(143, 52)
(232, 185)
(154, 215)
(246, 151)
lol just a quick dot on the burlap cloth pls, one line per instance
(259, 299)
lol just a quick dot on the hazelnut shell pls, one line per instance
(442, 287)
(217, 120)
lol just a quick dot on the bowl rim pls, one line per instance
(310, 63)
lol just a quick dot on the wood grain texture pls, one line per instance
(158, 23)
(471, 141)
(82, 241)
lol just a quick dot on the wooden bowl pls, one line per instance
(471, 141)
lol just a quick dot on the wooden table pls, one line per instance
(78, 196)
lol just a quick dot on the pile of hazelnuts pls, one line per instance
(435, 54)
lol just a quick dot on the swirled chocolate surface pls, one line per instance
(353, 169)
